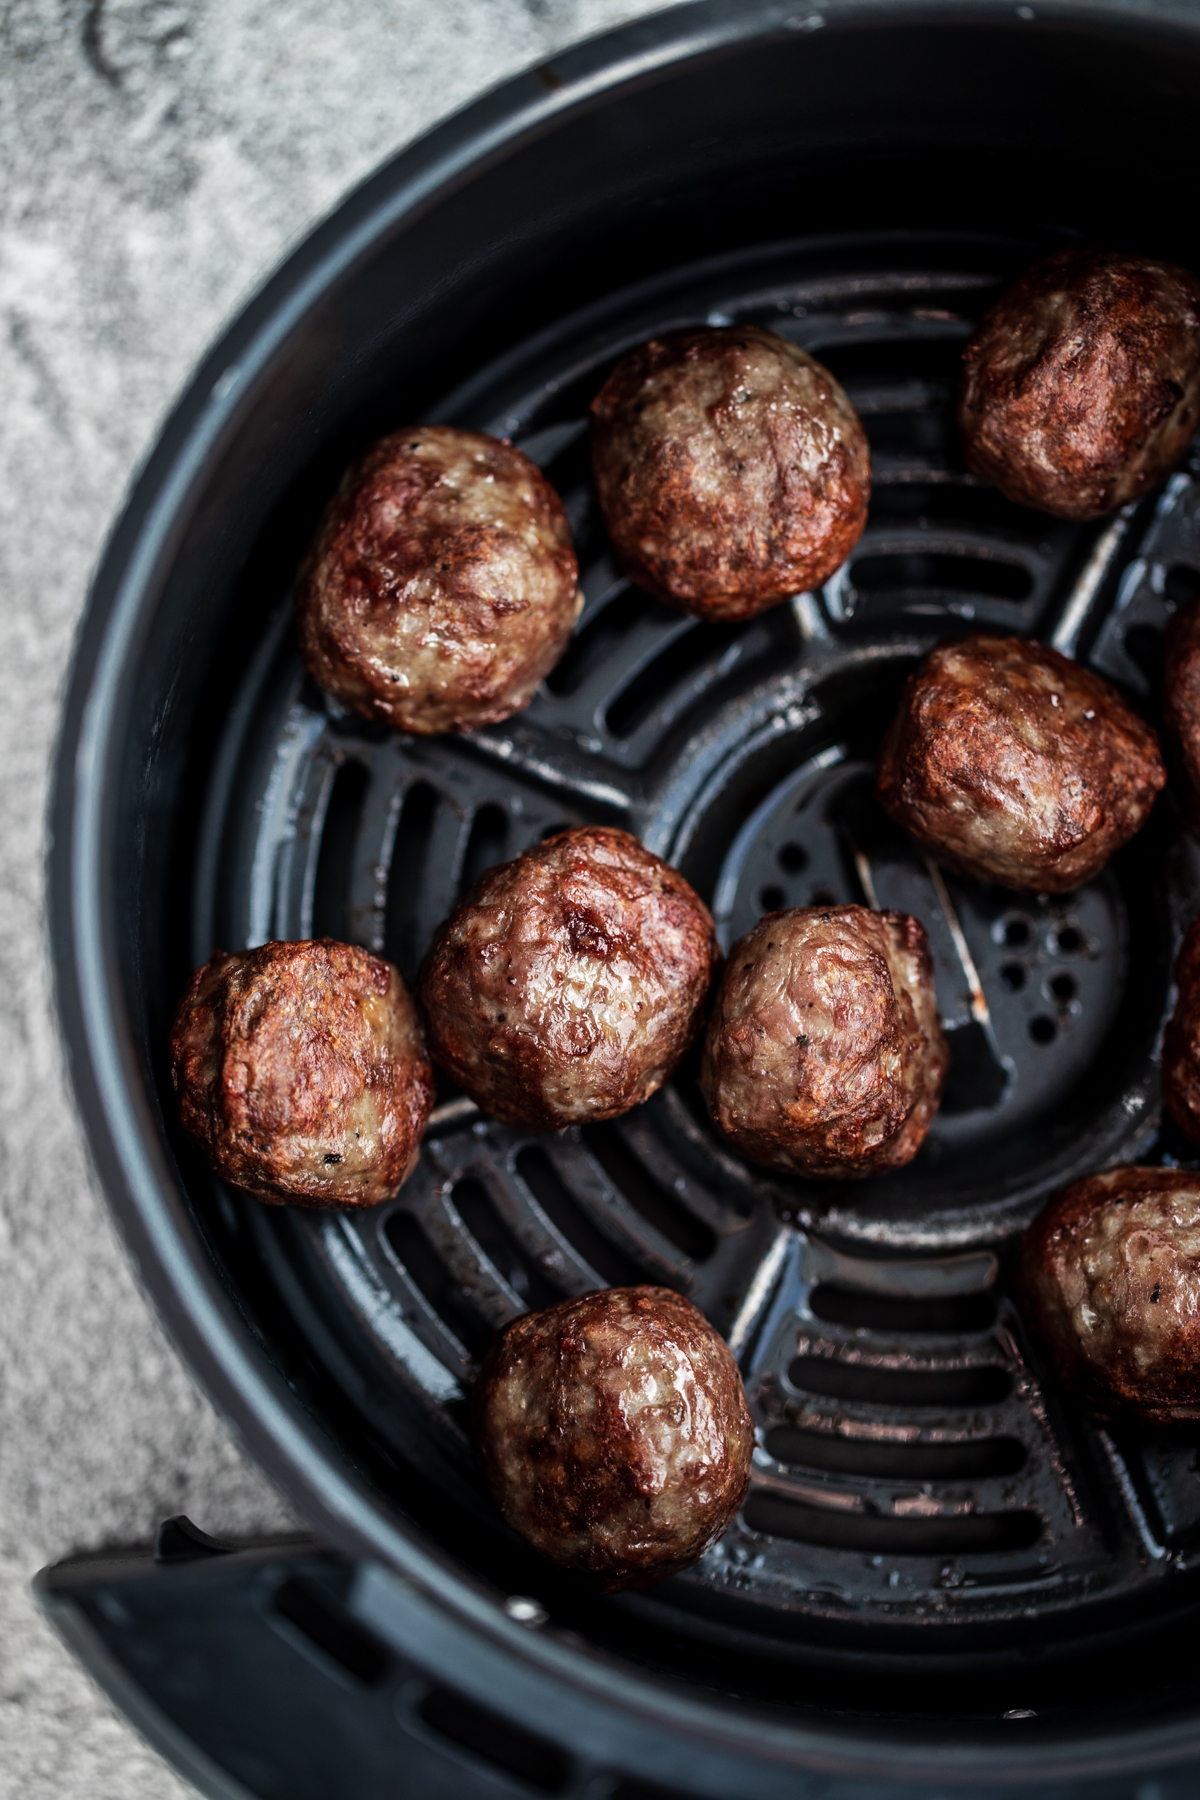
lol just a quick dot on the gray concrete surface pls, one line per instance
(157, 157)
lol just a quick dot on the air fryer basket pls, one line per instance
(939, 1573)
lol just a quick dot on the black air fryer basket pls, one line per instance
(942, 1582)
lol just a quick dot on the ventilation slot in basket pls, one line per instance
(477, 1210)
(1146, 650)
(486, 845)
(410, 855)
(957, 1313)
(563, 1210)
(953, 1534)
(434, 1282)
(339, 833)
(918, 572)
(658, 1207)
(600, 638)
(681, 658)
(877, 1459)
(981, 1385)
(1181, 584)
(891, 359)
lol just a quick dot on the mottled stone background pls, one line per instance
(157, 157)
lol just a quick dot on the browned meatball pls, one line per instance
(614, 1433)
(301, 1071)
(1109, 1280)
(1181, 703)
(730, 467)
(1181, 1041)
(824, 1052)
(442, 585)
(570, 982)
(1081, 387)
(1010, 763)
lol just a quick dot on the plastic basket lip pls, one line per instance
(101, 1040)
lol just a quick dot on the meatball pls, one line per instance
(441, 585)
(614, 1433)
(1010, 763)
(570, 982)
(824, 1053)
(301, 1071)
(1181, 703)
(1181, 1041)
(730, 467)
(1081, 387)
(1109, 1280)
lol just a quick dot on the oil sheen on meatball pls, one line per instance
(1181, 704)
(1081, 387)
(570, 982)
(1010, 763)
(824, 1052)
(731, 469)
(1109, 1280)
(1181, 1041)
(614, 1433)
(300, 1069)
(442, 585)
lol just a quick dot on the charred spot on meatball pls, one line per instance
(614, 1433)
(1010, 763)
(824, 1053)
(300, 1069)
(1181, 1041)
(570, 982)
(441, 586)
(1081, 387)
(730, 467)
(1181, 704)
(1109, 1281)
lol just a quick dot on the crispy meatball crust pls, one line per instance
(731, 469)
(1010, 763)
(301, 1071)
(441, 585)
(570, 982)
(614, 1433)
(1109, 1280)
(1081, 387)
(1181, 1040)
(1181, 704)
(824, 1052)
